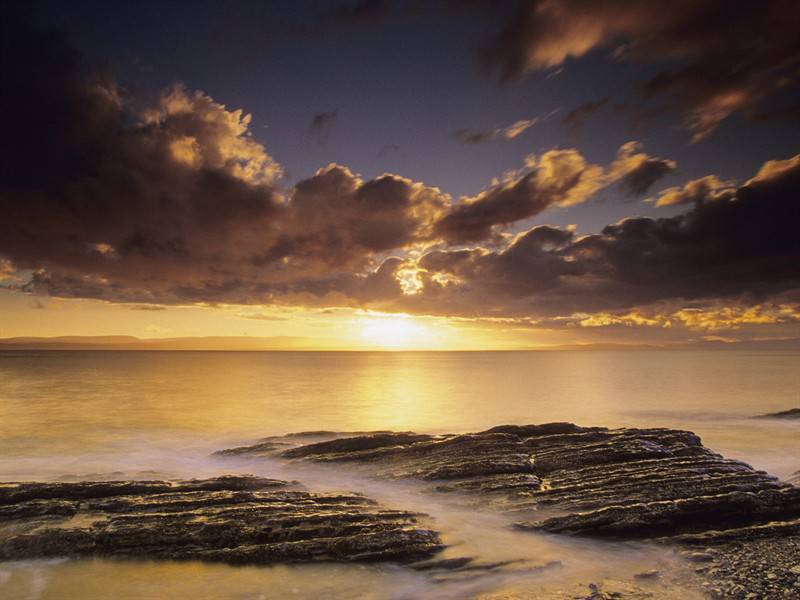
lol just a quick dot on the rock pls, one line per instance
(649, 574)
(15, 492)
(630, 484)
(665, 517)
(625, 483)
(232, 519)
(353, 445)
(698, 556)
(261, 449)
(792, 413)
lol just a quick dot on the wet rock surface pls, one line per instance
(232, 519)
(626, 484)
(613, 483)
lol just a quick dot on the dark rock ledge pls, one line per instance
(658, 484)
(232, 519)
(792, 413)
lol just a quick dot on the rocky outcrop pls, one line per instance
(792, 413)
(620, 483)
(232, 519)
(741, 525)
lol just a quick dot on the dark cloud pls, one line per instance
(388, 149)
(321, 126)
(639, 172)
(170, 201)
(558, 178)
(469, 136)
(642, 178)
(714, 57)
(351, 13)
(513, 131)
(577, 117)
(742, 246)
(357, 12)
(106, 196)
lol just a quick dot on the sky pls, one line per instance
(367, 173)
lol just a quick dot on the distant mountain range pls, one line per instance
(289, 343)
(128, 342)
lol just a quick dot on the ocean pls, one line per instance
(113, 415)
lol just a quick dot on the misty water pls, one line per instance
(114, 415)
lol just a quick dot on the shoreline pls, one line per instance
(726, 521)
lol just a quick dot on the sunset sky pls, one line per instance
(455, 174)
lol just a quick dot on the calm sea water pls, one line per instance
(100, 415)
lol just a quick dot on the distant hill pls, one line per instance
(125, 342)
(247, 343)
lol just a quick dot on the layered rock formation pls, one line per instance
(659, 484)
(232, 519)
(620, 483)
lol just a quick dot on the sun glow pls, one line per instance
(398, 331)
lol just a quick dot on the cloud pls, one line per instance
(110, 196)
(470, 136)
(636, 171)
(353, 13)
(518, 128)
(704, 189)
(171, 201)
(7, 270)
(742, 247)
(776, 169)
(388, 149)
(321, 126)
(714, 58)
(711, 188)
(708, 318)
(513, 131)
(559, 178)
(577, 117)
(261, 317)
(201, 134)
(357, 12)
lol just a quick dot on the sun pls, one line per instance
(399, 331)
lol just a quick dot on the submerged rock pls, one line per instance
(232, 519)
